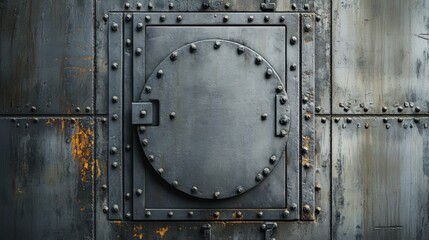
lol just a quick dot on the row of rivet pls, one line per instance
(205, 5)
(77, 109)
(417, 109)
(385, 120)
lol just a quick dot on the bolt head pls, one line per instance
(284, 120)
(150, 6)
(33, 109)
(106, 17)
(115, 164)
(306, 6)
(115, 65)
(104, 187)
(227, 5)
(142, 129)
(264, 116)
(139, 192)
(216, 195)
(285, 213)
(282, 18)
(193, 47)
(147, 18)
(170, 214)
(105, 209)
(190, 213)
(113, 150)
(240, 190)
(417, 109)
(160, 73)
(148, 89)
(318, 187)
(283, 99)
(161, 171)
(318, 210)
(172, 115)
(273, 159)
(216, 214)
(128, 17)
(175, 184)
(128, 42)
(306, 208)
(143, 113)
(173, 55)
(384, 109)
(283, 133)
(194, 189)
(139, 27)
(250, 19)
(115, 27)
(293, 67)
(151, 157)
(127, 5)
(216, 45)
(258, 60)
(115, 208)
(293, 40)
(139, 5)
(139, 51)
(307, 27)
(239, 214)
(269, 73)
(260, 214)
(171, 5)
(279, 89)
(162, 18)
(148, 213)
(266, 171)
(293, 6)
(293, 206)
(115, 117)
(206, 5)
(240, 49)
(225, 19)
(179, 18)
(349, 120)
(145, 142)
(259, 177)
(266, 19)
(128, 215)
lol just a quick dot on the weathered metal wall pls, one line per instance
(371, 182)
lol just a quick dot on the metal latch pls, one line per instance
(207, 231)
(269, 228)
(268, 5)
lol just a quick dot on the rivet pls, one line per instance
(225, 19)
(77, 109)
(318, 109)
(148, 213)
(113, 150)
(227, 5)
(264, 116)
(150, 6)
(306, 208)
(349, 120)
(194, 189)
(366, 125)
(171, 5)
(384, 109)
(139, 5)
(282, 18)
(266, 19)
(35, 120)
(293, 40)
(128, 17)
(258, 60)
(147, 18)
(307, 117)
(175, 184)
(416, 120)
(305, 99)
(73, 121)
(365, 109)
(269, 73)
(239, 214)
(344, 125)
(307, 27)
(216, 45)
(127, 5)
(318, 18)
(400, 109)
(115, 65)
(216, 214)
(346, 109)
(139, 192)
(105, 17)
(216, 195)
(142, 129)
(151, 158)
(336, 119)
(139, 26)
(179, 18)
(87, 109)
(160, 73)
(143, 113)
(426, 125)
(318, 210)
(259, 177)
(104, 187)
(173, 55)
(304, 150)
(283, 133)
(400, 120)
(266, 171)
(385, 120)
(128, 215)
(172, 115)
(285, 213)
(128, 42)
(115, 27)
(240, 49)
(284, 120)
(318, 187)
(406, 104)
(273, 159)
(250, 19)
(293, 6)
(206, 5)
(105, 209)
(283, 99)
(139, 51)
(148, 89)
(417, 109)
(293, 206)
(145, 142)
(127, 196)
(170, 213)
(115, 208)
(388, 126)
(306, 6)
(239, 189)
(115, 164)
(161, 171)
(33, 109)
(193, 47)
(292, 67)
(307, 165)
(190, 213)
(260, 214)
(162, 18)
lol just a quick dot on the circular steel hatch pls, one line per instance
(221, 119)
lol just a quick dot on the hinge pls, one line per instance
(268, 5)
(207, 231)
(269, 228)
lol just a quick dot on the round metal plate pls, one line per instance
(216, 119)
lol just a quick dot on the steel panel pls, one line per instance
(46, 178)
(380, 178)
(380, 57)
(46, 60)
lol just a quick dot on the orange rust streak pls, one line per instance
(82, 142)
(162, 231)
(137, 232)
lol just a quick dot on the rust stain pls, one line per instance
(305, 145)
(97, 164)
(162, 231)
(82, 142)
(50, 121)
(138, 232)
(88, 58)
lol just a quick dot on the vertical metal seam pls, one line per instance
(330, 122)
